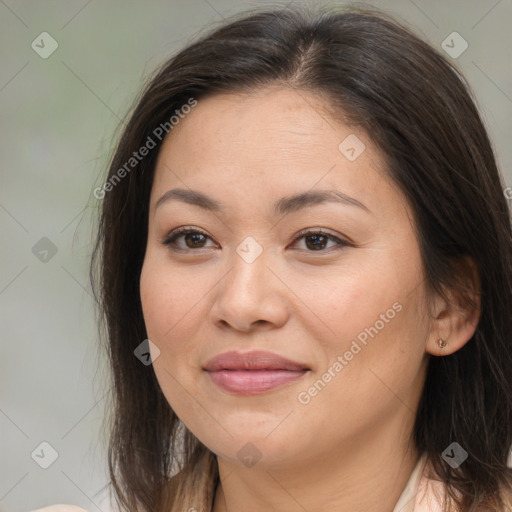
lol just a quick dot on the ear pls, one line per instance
(456, 317)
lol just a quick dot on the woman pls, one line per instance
(303, 229)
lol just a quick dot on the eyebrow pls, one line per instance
(287, 204)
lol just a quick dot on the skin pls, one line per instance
(347, 449)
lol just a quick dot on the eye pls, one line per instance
(316, 239)
(192, 235)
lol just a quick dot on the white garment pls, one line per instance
(420, 493)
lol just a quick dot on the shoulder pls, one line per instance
(60, 508)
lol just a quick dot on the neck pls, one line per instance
(367, 473)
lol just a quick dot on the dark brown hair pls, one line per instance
(415, 107)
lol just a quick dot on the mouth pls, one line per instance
(253, 372)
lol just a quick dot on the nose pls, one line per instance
(251, 294)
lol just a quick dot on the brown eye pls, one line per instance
(193, 238)
(316, 241)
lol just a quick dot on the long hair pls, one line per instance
(417, 109)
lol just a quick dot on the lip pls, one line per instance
(253, 372)
(254, 360)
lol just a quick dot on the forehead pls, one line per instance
(268, 143)
(274, 115)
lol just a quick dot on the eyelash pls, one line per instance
(185, 230)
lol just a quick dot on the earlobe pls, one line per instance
(438, 347)
(456, 316)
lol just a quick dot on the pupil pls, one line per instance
(195, 236)
(315, 244)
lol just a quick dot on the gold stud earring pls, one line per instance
(441, 342)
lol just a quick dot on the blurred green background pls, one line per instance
(60, 114)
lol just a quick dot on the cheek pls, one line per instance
(171, 309)
(173, 305)
(339, 307)
(380, 373)
(167, 297)
(373, 318)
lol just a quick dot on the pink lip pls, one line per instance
(252, 372)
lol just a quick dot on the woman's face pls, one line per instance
(350, 310)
